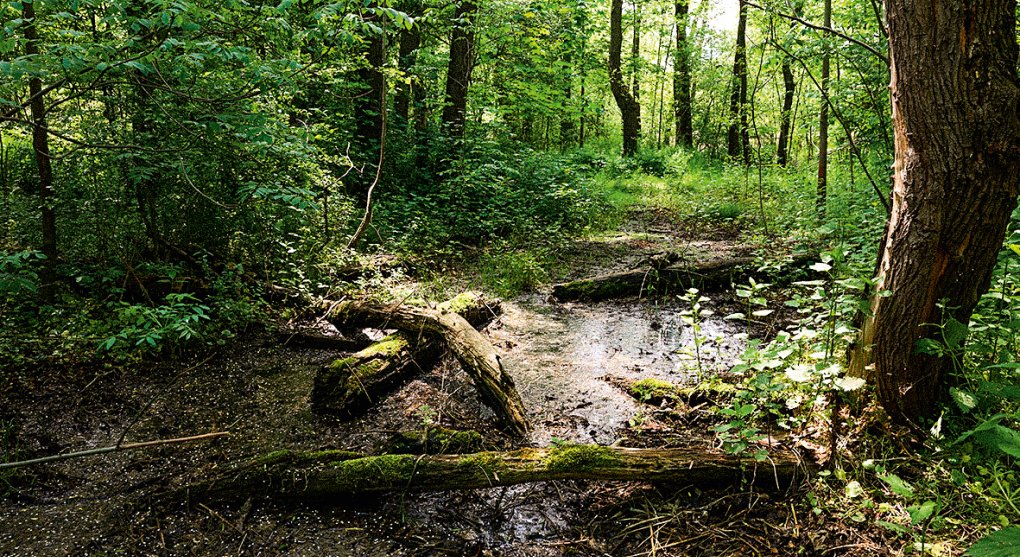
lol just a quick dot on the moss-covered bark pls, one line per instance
(336, 475)
(476, 355)
(348, 386)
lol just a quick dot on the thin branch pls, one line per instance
(846, 129)
(817, 27)
(114, 448)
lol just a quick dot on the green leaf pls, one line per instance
(1003, 543)
(1000, 437)
(966, 401)
(921, 513)
(898, 486)
(821, 267)
(850, 383)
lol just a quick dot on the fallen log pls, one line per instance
(476, 355)
(333, 475)
(349, 386)
(434, 440)
(657, 279)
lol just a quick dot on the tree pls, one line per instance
(738, 142)
(955, 98)
(458, 73)
(682, 97)
(44, 165)
(823, 122)
(630, 110)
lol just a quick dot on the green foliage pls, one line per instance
(1001, 543)
(143, 327)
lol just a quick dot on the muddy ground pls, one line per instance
(564, 358)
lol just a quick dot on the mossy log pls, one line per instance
(434, 440)
(349, 386)
(477, 356)
(657, 280)
(335, 475)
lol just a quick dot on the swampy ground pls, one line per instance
(569, 362)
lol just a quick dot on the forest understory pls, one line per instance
(621, 372)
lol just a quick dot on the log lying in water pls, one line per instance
(336, 475)
(349, 386)
(658, 280)
(477, 356)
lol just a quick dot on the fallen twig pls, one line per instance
(113, 448)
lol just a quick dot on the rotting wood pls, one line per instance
(349, 386)
(656, 279)
(476, 355)
(335, 475)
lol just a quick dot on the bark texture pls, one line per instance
(955, 97)
(476, 355)
(630, 110)
(458, 73)
(738, 141)
(682, 94)
(335, 475)
(349, 386)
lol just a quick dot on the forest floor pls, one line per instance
(567, 360)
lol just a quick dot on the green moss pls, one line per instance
(387, 347)
(384, 471)
(490, 463)
(652, 389)
(460, 303)
(435, 440)
(580, 457)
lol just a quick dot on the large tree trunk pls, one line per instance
(822, 186)
(738, 142)
(682, 94)
(786, 117)
(630, 110)
(495, 386)
(43, 161)
(333, 475)
(955, 97)
(458, 73)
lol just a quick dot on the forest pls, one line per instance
(509, 277)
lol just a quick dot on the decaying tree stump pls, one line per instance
(495, 386)
(336, 475)
(349, 386)
(657, 279)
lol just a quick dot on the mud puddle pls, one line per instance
(562, 354)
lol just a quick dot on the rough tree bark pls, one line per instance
(458, 72)
(955, 96)
(495, 386)
(682, 94)
(43, 161)
(630, 110)
(329, 475)
(738, 141)
(348, 386)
